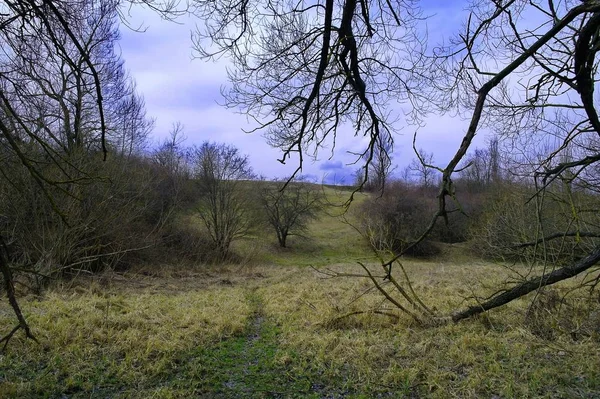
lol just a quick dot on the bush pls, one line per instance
(185, 241)
(510, 224)
(115, 216)
(465, 213)
(395, 220)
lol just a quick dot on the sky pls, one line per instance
(178, 88)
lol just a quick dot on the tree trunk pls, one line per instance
(12, 299)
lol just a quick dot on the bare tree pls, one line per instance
(552, 67)
(171, 153)
(304, 71)
(549, 64)
(380, 169)
(34, 37)
(288, 210)
(173, 161)
(483, 165)
(64, 99)
(131, 125)
(421, 169)
(221, 172)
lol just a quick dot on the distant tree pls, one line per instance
(220, 171)
(131, 125)
(288, 210)
(171, 154)
(421, 170)
(171, 161)
(483, 166)
(374, 175)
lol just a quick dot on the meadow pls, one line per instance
(273, 326)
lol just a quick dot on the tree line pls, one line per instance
(496, 214)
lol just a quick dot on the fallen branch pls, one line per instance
(531, 285)
(584, 234)
(388, 296)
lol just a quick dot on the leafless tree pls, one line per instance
(380, 169)
(421, 169)
(35, 36)
(221, 172)
(288, 210)
(171, 154)
(173, 161)
(533, 80)
(130, 124)
(483, 165)
(303, 71)
(526, 70)
(65, 99)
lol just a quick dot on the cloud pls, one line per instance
(341, 177)
(177, 87)
(335, 172)
(331, 165)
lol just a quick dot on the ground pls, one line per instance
(274, 327)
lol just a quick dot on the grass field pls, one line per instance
(272, 327)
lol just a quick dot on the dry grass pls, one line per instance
(131, 338)
(93, 338)
(494, 356)
(269, 328)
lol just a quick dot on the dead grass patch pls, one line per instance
(169, 331)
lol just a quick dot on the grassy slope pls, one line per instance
(271, 328)
(328, 241)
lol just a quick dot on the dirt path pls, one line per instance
(242, 375)
(247, 365)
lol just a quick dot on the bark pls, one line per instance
(531, 285)
(12, 299)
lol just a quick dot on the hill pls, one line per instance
(273, 327)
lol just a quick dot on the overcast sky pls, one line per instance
(178, 88)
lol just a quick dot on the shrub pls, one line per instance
(396, 219)
(557, 229)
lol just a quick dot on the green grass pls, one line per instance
(273, 328)
(247, 364)
(329, 239)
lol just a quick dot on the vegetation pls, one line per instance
(255, 330)
(110, 243)
(289, 205)
(395, 220)
(526, 71)
(220, 170)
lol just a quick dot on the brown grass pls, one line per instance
(169, 332)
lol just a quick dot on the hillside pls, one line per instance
(273, 327)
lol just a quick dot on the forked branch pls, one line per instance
(12, 299)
